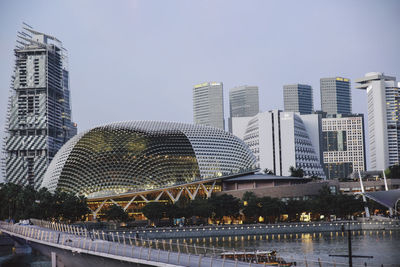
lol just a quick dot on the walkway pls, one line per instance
(133, 250)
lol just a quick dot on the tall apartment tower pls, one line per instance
(383, 118)
(335, 95)
(243, 102)
(208, 104)
(39, 112)
(298, 98)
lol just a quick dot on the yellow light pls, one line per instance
(201, 85)
(260, 219)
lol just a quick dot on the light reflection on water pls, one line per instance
(384, 246)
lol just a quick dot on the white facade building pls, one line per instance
(280, 140)
(208, 104)
(383, 118)
(343, 145)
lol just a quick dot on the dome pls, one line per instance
(144, 155)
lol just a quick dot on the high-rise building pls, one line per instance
(383, 94)
(343, 145)
(208, 104)
(280, 140)
(298, 98)
(335, 95)
(243, 102)
(39, 112)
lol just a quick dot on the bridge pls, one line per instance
(75, 246)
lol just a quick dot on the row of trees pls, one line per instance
(252, 207)
(325, 203)
(24, 202)
(215, 208)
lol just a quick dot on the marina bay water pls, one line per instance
(383, 245)
(8, 258)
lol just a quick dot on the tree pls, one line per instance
(296, 172)
(201, 207)
(116, 213)
(268, 171)
(393, 172)
(251, 206)
(24, 202)
(154, 211)
(294, 208)
(224, 205)
(271, 208)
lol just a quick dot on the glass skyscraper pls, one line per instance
(208, 104)
(39, 112)
(298, 98)
(243, 101)
(335, 95)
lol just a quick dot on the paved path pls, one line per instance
(144, 255)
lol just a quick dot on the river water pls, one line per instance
(384, 246)
(10, 259)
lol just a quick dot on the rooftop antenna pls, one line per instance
(387, 189)
(363, 196)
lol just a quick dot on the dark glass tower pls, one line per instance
(39, 111)
(335, 95)
(298, 98)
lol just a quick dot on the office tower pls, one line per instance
(383, 118)
(208, 104)
(335, 95)
(39, 113)
(343, 145)
(243, 102)
(298, 98)
(280, 140)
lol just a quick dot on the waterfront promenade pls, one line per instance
(260, 229)
(74, 246)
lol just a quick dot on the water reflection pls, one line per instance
(382, 245)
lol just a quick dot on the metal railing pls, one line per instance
(127, 246)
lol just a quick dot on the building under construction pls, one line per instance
(39, 111)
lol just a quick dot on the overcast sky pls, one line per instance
(138, 60)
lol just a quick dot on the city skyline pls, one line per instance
(167, 56)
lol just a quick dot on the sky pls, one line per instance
(139, 60)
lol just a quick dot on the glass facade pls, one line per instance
(137, 156)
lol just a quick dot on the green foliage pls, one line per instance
(116, 213)
(325, 203)
(251, 206)
(154, 211)
(271, 208)
(201, 207)
(296, 172)
(24, 202)
(393, 172)
(268, 171)
(294, 208)
(224, 205)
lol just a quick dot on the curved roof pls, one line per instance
(142, 155)
(385, 198)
